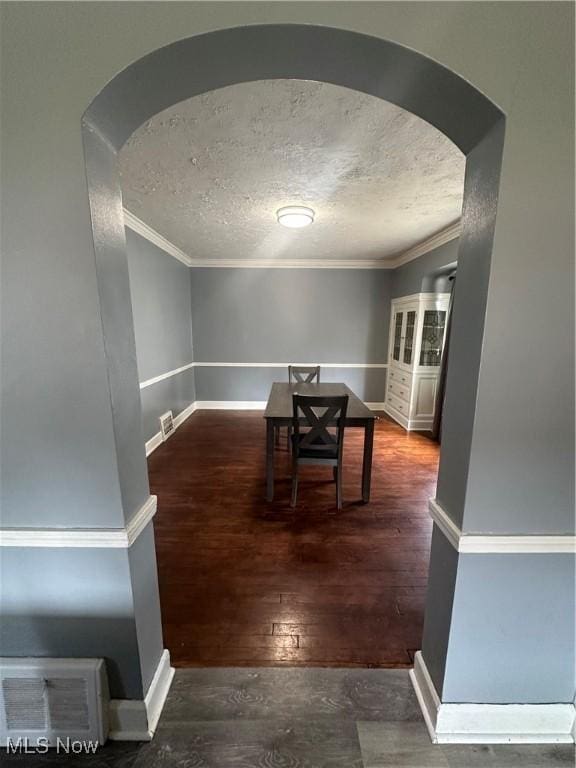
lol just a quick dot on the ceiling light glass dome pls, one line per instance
(295, 216)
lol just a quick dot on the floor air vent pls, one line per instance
(166, 424)
(46, 700)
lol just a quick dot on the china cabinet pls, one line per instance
(417, 336)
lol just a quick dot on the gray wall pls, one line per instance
(506, 610)
(60, 451)
(263, 316)
(231, 383)
(160, 290)
(288, 315)
(418, 275)
(72, 603)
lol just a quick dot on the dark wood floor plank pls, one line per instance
(246, 582)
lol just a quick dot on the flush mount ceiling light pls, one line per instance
(295, 216)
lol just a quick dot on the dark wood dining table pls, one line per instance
(279, 413)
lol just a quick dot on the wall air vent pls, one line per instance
(46, 702)
(166, 424)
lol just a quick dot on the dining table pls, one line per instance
(279, 413)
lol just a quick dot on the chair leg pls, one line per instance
(294, 483)
(288, 437)
(335, 473)
(277, 436)
(338, 474)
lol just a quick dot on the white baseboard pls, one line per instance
(250, 405)
(396, 415)
(153, 443)
(157, 440)
(183, 415)
(135, 719)
(221, 405)
(230, 405)
(410, 425)
(227, 405)
(489, 723)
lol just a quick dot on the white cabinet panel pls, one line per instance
(425, 396)
(417, 338)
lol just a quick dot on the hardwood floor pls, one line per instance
(246, 582)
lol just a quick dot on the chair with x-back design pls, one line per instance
(304, 374)
(300, 374)
(318, 434)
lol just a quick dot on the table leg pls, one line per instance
(269, 459)
(367, 462)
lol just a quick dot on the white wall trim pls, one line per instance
(434, 241)
(472, 543)
(121, 538)
(176, 371)
(422, 296)
(250, 405)
(167, 375)
(157, 439)
(153, 443)
(445, 235)
(145, 231)
(137, 720)
(293, 263)
(183, 415)
(230, 405)
(445, 523)
(285, 365)
(489, 723)
(428, 699)
(410, 425)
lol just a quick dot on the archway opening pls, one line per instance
(380, 68)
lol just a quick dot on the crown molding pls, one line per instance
(142, 229)
(292, 264)
(285, 365)
(435, 241)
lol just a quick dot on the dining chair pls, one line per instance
(299, 374)
(321, 442)
(303, 374)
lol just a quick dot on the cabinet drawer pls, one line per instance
(398, 376)
(400, 390)
(397, 404)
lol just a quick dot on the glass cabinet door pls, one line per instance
(432, 337)
(409, 337)
(398, 318)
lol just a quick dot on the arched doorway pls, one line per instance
(374, 66)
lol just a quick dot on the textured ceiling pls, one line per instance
(209, 173)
